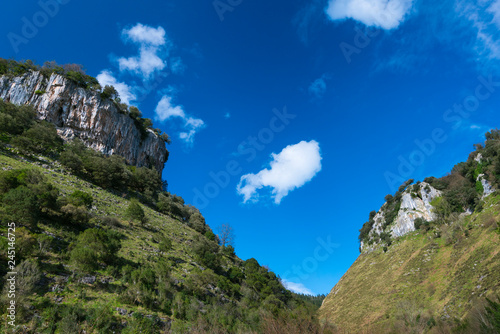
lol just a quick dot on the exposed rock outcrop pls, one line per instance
(414, 204)
(82, 113)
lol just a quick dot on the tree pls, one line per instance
(134, 112)
(226, 235)
(109, 92)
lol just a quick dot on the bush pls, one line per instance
(41, 138)
(109, 92)
(19, 205)
(16, 119)
(421, 223)
(80, 198)
(94, 246)
(76, 214)
(206, 252)
(135, 211)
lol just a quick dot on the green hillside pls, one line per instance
(444, 277)
(102, 247)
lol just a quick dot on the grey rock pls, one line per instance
(81, 113)
(88, 279)
(411, 209)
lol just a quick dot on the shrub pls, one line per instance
(39, 92)
(165, 244)
(16, 119)
(80, 198)
(421, 223)
(72, 161)
(19, 205)
(134, 112)
(206, 252)
(135, 211)
(76, 214)
(41, 138)
(94, 246)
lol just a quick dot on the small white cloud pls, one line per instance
(150, 40)
(296, 287)
(386, 14)
(125, 91)
(294, 166)
(166, 110)
(144, 34)
(318, 87)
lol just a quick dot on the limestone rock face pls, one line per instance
(487, 188)
(81, 113)
(413, 205)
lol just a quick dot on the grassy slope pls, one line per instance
(441, 277)
(138, 245)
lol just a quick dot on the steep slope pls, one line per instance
(97, 246)
(429, 256)
(83, 113)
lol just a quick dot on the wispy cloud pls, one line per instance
(307, 19)
(294, 166)
(485, 18)
(386, 14)
(317, 88)
(296, 287)
(166, 110)
(125, 91)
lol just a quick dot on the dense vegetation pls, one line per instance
(76, 73)
(102, 247)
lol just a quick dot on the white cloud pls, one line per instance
(125, 91)
(290, 169)
(166, 110)
(143, 34)
(296, 287)
(150, 40)
(387, 14)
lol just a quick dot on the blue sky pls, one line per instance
(291, 120)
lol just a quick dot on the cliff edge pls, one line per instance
(81, 113)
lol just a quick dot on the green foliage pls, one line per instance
(41, 138)
(15, 120)
(109, 92)
(39, 92)
(135, 113)
(165, 244)
(80, 198)
(135, 211)
(492, 312)
(94, 246)
(206, 252)
(421, 224)
(26, 196)
(110, 172)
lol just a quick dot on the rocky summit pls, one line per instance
(82, 113)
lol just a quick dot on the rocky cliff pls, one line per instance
(415, 203)
(83, 114)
